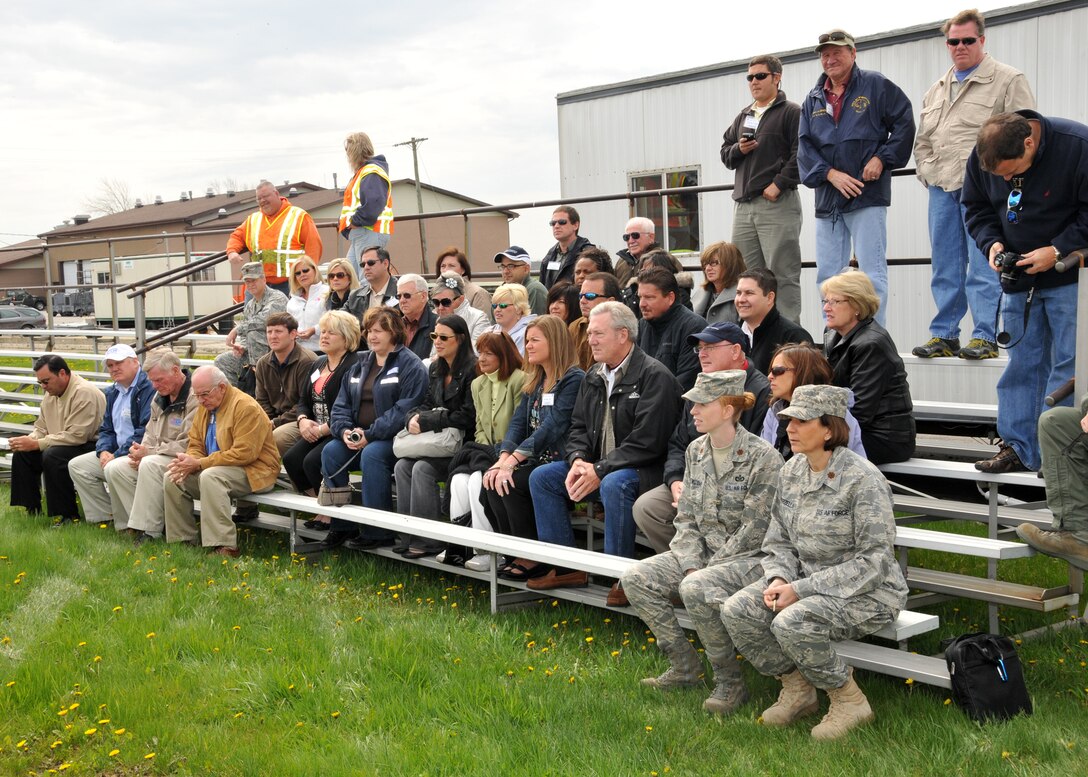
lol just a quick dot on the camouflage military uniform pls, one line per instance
(251, 333)
(720, 523)
(831, 536)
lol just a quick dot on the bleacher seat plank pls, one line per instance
(994, 591)
(954, 411)
(930, 670)
(970, 511)
(963, 544)
(958, 470)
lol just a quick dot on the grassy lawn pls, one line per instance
(160, 660)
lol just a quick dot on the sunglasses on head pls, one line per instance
(829, 37)
(965, 41)
(443, 338)
(442, 303)
(778, 370)
(337, 275)
(757, 77)
(1014, 205)
(632, 236)
(560, 222)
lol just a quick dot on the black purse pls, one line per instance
(987, 678)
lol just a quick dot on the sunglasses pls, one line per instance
(590, 295)
(408, 295)
(1013, 205)
(302, 270)
(829, 37)
(501, 305)
(443, 338)
(371, 262)
(757, 77)
(442, 303)
(953, 42)
(632, 236)
(337, 275)
(778, 370)
(560, 222)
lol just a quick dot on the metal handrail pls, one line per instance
(167, 336)
(174, 273)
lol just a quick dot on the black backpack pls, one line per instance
(987, 679)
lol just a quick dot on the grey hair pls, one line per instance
(644, 224)
(621, 315)
(267, 184)
(217, 375)
(161, 359)
(449, 281)
(411, 277)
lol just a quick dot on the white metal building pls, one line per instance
(666, 130)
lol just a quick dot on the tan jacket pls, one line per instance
(244, 434)
(72, 418)
(947, 130)
(167, 431)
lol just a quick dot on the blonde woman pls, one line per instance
(367, 216)
(344, 290)
(307, 301)
(510, 303)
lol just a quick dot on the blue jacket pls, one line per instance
(876, 119)
(399, 387)
(1054, 198)
(545, 441)
(140, 400)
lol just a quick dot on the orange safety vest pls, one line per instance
(276, 241)
(384, 224)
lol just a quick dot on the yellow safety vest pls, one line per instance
(286, 245)
(384, 224)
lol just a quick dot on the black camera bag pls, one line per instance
(987, 678)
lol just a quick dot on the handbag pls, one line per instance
(987, 678)
(427, 445)
(336, 496)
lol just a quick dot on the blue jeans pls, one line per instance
(361, 238)
(1038, 364)
(551, 504)
(376, 462)
(865, 229)
(962, 277)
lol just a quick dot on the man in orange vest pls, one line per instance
(277, 235)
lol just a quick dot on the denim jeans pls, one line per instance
(376, 462)
(962, 278)
(1038, 364)
(866, 230)
(361, 238)
(618, 491)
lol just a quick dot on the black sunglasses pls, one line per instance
(560, 222)
(1012, 214)
(632, 236)
(757, 77)
(371, 262)
(442, 303)
(500, 305)
(337, 275)
(443, 338)
(778, 370)
(590, 295)
(301, 270)
(408, 295)
(965, 41)
(827, 37)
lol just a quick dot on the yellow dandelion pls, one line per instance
(509, 672)
(589, 639)
(82, 644)
(21, 743)
(236, 628)
(457, 660)
(62, 713)
(1005, 754)
(63, 766)
(909, 681)
(947, 702)
(649, 729)
(55, 744)
(118, 608)
(336, 713)
(5, 641)
(150, 635)
(359, 619)
(614, 653)
(529, 668)
(98, 659)
(149, 756)
(89, 731)
(300, 724)
(239, 714)
(104, 721)
(102, 525)
(651, 640)
(74, 705)
(9, 684)
(114, 752)
(571, 680)
(119, 731)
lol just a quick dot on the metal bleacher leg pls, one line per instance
(991, 564)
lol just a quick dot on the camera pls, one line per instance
(1012, 276)
(355, 436)
(748, 135)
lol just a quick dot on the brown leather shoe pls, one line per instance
(616, 596)
(1005, 460)
(556, 580)
(225, 550)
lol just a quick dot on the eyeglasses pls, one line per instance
(442, 303)
(371, 262)
(757, 77)
(632, 236)
(511, 265)
(711, 263)
(1013, 205)
(205, 394)
(501, 305)
(590, 295)
(443, 338)
(953, 42)
(829, 37)
(302, 270)
(559, 222)
(778, 370)
(408, 295)
(830, 303)
(704, 347)
(336, 276)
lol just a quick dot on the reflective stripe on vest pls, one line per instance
(384, 224)
(289, 236)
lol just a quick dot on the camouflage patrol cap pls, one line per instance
(252, 270)
(814, 401)
(712, 385)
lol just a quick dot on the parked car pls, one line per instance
(18, 317)
(24, 297)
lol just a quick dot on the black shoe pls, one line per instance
(979, 349)
(313, 523)
(420, 552)
(142, 538)
(64, 520)
(245, 515)
(367, 543)
(937, 346)
(1004, 461)
(337, 537)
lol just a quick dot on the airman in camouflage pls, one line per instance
(720, 522)
(831, 539)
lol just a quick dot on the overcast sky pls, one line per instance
(175, 96)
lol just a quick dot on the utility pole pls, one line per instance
(414, 143)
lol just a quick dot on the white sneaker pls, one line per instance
(479, 563)
(441, 557)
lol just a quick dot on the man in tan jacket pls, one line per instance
(231, 453)
(67, 427)
(975, 88)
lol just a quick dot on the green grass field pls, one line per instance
(161, 660)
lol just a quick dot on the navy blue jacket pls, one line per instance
(547, 440)
(399, 386)
(1054, 199)
(140, 407)
(876, 119)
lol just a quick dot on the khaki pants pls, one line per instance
(90, 479)
(139, 493)
(286, 436)
(215, 487)
(653, 513)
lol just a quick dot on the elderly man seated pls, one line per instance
(128, 406)
(135, 480)
(231, 453)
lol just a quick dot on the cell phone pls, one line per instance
(748, 136)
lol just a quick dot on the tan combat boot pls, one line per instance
(686, 670)
(849, 709)
(796, 700)
(728, 695)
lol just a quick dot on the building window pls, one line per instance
(676, 216)
(103, 279)
(207, 274)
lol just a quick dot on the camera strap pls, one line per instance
(1004, 337)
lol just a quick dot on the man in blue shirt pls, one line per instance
(128, 406)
